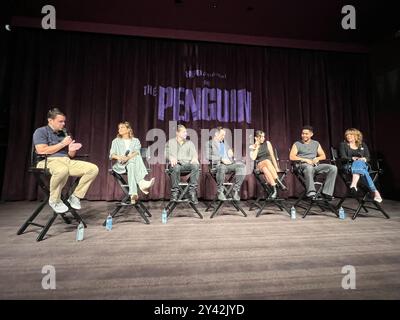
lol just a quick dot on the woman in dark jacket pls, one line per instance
(356, 151)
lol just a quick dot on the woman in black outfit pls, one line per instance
(262, 152)
(355, 150)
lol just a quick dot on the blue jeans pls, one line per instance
(360, 167)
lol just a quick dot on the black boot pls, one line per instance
(327, 197)
(174, 195)
(280, 184)
(193, 197)
(274, 193)
(236, 195)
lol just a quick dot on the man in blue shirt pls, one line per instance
(221, 156)
(52, 140)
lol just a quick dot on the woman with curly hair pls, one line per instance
(356, 151)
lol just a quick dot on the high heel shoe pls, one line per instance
(378, 198)
(145, 185)
(134, 198)
(280, 184)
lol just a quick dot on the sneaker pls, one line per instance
(58, 206)
(311, 194)
(75, 202)
(145, 185)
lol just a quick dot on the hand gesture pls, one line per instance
(310, 162)
(74, 146)
(173, 161)
(226, 161)
(254, 147)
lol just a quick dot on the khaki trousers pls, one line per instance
(61, 168)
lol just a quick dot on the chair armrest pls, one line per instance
(286, 169)
(80, 156)
(42, 155)
(375, 165)
(327, 161)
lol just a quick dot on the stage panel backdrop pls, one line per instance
(100, 80)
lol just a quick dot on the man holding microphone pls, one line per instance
(52, 140)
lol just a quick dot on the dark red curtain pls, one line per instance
(98, 80)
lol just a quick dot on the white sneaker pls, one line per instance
(58, 207)
(145, 185)
(75, 202)
(378, 199)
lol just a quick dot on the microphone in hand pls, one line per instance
(125, 159)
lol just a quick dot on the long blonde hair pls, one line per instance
(358, 137)
(128, 126)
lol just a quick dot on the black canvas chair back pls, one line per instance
(363, 198)
(316, 201)
(183, 192)
(125, 202)
(264, 199)
(228, 185)
(42, 177)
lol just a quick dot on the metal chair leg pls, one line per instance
(31, 219)
(47, 227)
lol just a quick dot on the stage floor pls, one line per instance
(227, 257)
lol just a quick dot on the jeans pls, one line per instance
(361, 167)
(240, 174)
(193, 168)
(310, 171)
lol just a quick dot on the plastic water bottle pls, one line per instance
(293, 213)
(164, 216)
(80, 231)
(342, 214)
(109, 223)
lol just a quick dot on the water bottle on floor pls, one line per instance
(292, 213)
(109, 223)
(342, 214)
(164, 216)
(80, 231)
